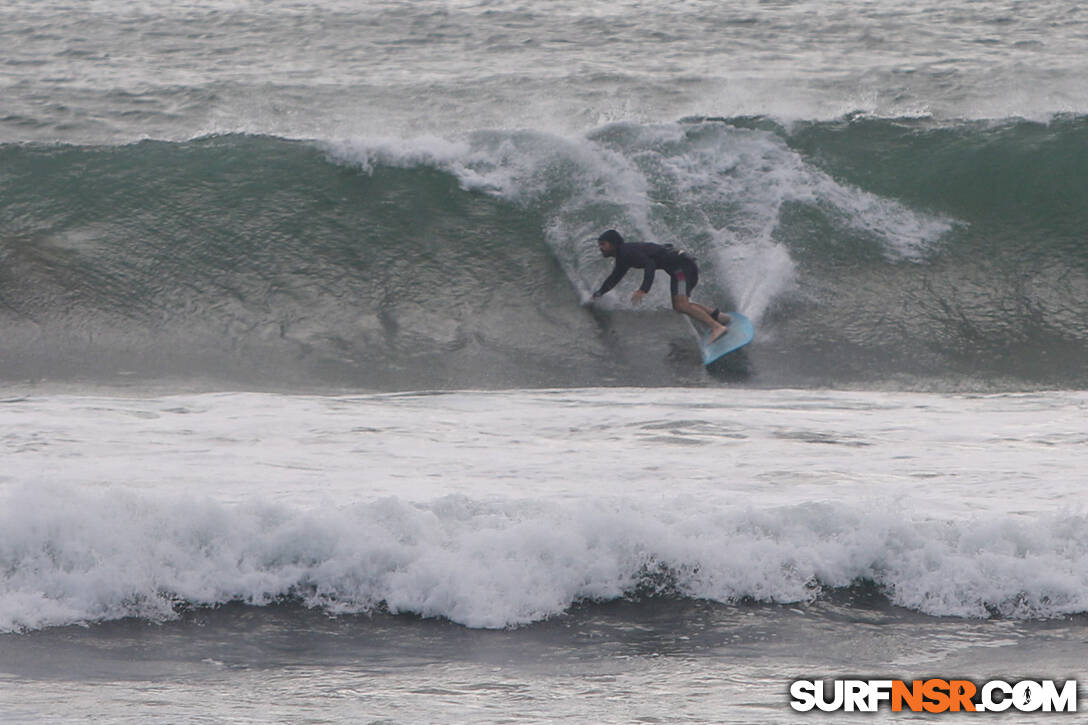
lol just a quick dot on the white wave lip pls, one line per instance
(70, 557)
(716, 190)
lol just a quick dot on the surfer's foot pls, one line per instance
(715, 334)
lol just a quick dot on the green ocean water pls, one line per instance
(210, 206)
(869, 252)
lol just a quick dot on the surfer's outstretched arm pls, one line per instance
(611, 281)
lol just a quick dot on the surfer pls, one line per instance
(649, 258)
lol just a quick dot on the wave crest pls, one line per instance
(72, 557)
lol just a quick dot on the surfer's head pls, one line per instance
(609, 242)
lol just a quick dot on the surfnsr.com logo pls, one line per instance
(933, 695)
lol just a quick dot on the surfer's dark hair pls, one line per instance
(611, 236)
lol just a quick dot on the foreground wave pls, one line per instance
(867, 251)
(69, 557)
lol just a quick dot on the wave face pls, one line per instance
(499, 564)
(867, 251)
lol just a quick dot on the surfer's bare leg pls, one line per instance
(699, 313)
(718, 315)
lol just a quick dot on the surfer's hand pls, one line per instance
(637, 296)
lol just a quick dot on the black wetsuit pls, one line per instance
(649, 258)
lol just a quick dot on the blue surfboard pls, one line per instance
(741, 332)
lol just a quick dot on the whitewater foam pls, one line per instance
(76, 557)
(502, 509)
(716, 190)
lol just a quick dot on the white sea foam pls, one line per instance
(73, 556)
(715, 190)
(500, 509)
